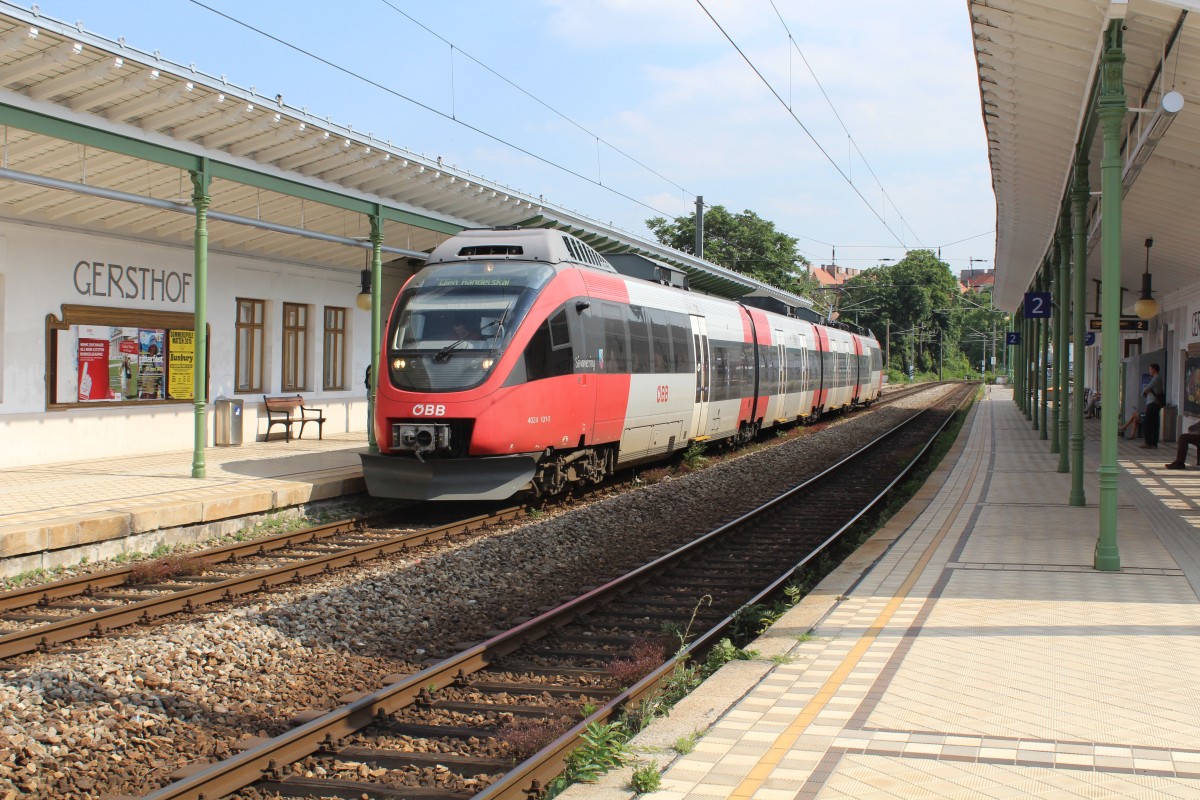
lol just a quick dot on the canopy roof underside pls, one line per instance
(1037, 61)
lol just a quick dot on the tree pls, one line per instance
(911, 303)
(744, 243)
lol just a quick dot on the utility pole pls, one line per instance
(699, 226)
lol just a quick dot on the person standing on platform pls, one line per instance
(1154, 398)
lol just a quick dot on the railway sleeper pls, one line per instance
(570, 692)
(611, 640)
(511, 667)
(396, 759)
(578, 655)
(419, 730)
(297, 786)
(500, 707)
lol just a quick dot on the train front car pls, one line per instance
(477, 378)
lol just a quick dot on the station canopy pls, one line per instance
(100, 136)
(1038, 64)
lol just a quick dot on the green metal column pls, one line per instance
(1112, 116)
(1035, 349)
(1056, 366)
(1044, 360)
(1080, 193)
(201, 200)
(1062, 335)
(1024, 361)
(376, 320)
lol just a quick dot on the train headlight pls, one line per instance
(486, 364)
(399, 363)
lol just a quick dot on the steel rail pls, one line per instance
(267, 757)
(143, 611)
(527, 779)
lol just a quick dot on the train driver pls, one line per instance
(465, 334)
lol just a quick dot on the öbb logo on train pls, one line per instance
(429, 410)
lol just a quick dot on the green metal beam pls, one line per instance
(94, 137)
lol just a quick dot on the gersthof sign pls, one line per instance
(1094, 324)
(1089, 338)
(1037, 305)
(1012, 337)
(100, 279)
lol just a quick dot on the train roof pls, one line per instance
(523, 244)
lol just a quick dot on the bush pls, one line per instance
(161, 569)
(645, 655)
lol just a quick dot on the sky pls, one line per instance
(623, 110)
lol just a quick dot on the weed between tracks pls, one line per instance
(604, 747)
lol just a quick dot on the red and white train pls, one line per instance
(519, 359)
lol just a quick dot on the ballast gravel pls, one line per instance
(117, 715)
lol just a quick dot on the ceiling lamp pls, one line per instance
(363, 300)
(1146, 307)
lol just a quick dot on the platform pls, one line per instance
(970, 650)
(55, 514)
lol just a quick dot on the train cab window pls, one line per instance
(639, 341)
(549, 352)
(616, 341)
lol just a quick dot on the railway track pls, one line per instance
(467, 726)
(39, 617)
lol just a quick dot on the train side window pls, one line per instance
(639, 341)
(660, 340)
(681, 343)
(549, 351)
(616, 342)
(720, 372)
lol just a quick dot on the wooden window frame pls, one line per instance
(238, 327)
(298, 355)
(338, 346)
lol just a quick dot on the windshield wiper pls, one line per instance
(444, 353)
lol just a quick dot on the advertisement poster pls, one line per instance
(1191, 387)
(123, 363)
(182, 357)
(150, 364)
(93, 370)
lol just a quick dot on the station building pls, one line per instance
(170, 242)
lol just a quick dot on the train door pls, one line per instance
(780, 412)
(700, 409)
(858, 377)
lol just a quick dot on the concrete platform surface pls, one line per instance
(57, 513)
(970, 650)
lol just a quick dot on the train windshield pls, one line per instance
(455, 320)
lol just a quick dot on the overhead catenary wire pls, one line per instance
(599, 139)
(798, 121)
(838, 117)
(424, 106)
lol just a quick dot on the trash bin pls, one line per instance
(228, 414)
(1170, 423)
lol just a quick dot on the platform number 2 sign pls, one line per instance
(1037, 305)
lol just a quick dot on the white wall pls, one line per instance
(40, 272)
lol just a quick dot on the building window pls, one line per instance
(334, 375)
(249, 345)
(295, 348)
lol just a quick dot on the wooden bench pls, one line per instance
(288, 410)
